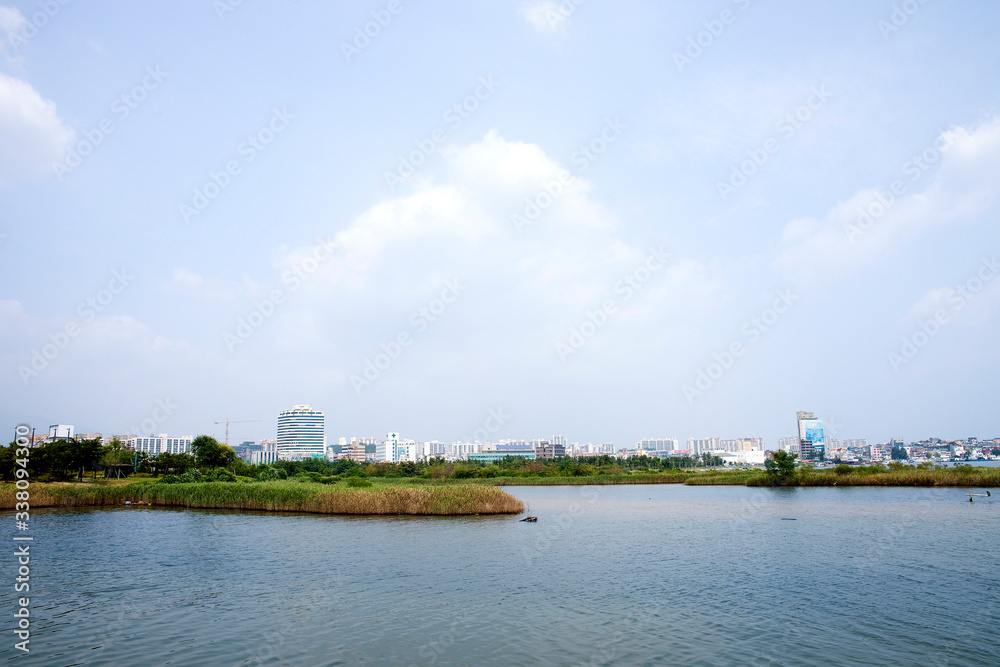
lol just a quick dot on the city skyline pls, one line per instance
(611, 222)
(308, 424)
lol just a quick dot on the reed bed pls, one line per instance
(585, 480)
(279, 496)
(726, 478)
(963, 477)
(599, 480)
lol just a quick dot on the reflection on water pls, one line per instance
(608, 575)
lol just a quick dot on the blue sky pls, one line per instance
(605, 220)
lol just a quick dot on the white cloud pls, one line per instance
(544, 16)
(976, 297)
(524, 291)
(846, 238)
(32, 136)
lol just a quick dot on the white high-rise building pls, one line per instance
(385, 451)
(268, 453)
(406, 451)
(811, 439)
(301, 434)
(432, 449)
(699, 446)
(459, 451)
(742, 444)
(658, 444)
(790, 445)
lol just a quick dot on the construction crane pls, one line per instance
(241, 421)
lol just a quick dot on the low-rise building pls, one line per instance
(160, 444)
(746, 457)
(498, 455)
(548, 451)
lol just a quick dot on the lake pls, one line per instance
(608, 575)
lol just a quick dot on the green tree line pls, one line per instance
(66, 459)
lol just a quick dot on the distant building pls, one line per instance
(60, 432)
(790, 445)
(658, 444)
(590, 449)
(406, 451)
(498, 455)
(160, 444)
(432, 449)
(266, 451)
(301, 434)
(352, 452)
(745, 457)
(742, 445)
(385, 450)
(550, 451)
(811, 440)
(254, 453)
(459, 451)
(700, 446)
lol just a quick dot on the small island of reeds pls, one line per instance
(278, 496)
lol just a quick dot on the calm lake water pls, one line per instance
(608, 575)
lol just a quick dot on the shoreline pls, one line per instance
(951, 477)
(416, 496)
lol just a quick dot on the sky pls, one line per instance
(609, 221)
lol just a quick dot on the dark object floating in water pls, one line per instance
(981, 495)
(784, 519)
(530, 519)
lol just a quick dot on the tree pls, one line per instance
(899, 453)
(84, 454)
(115, 452)
(780, 467)
(167, 462)
(211, 453)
